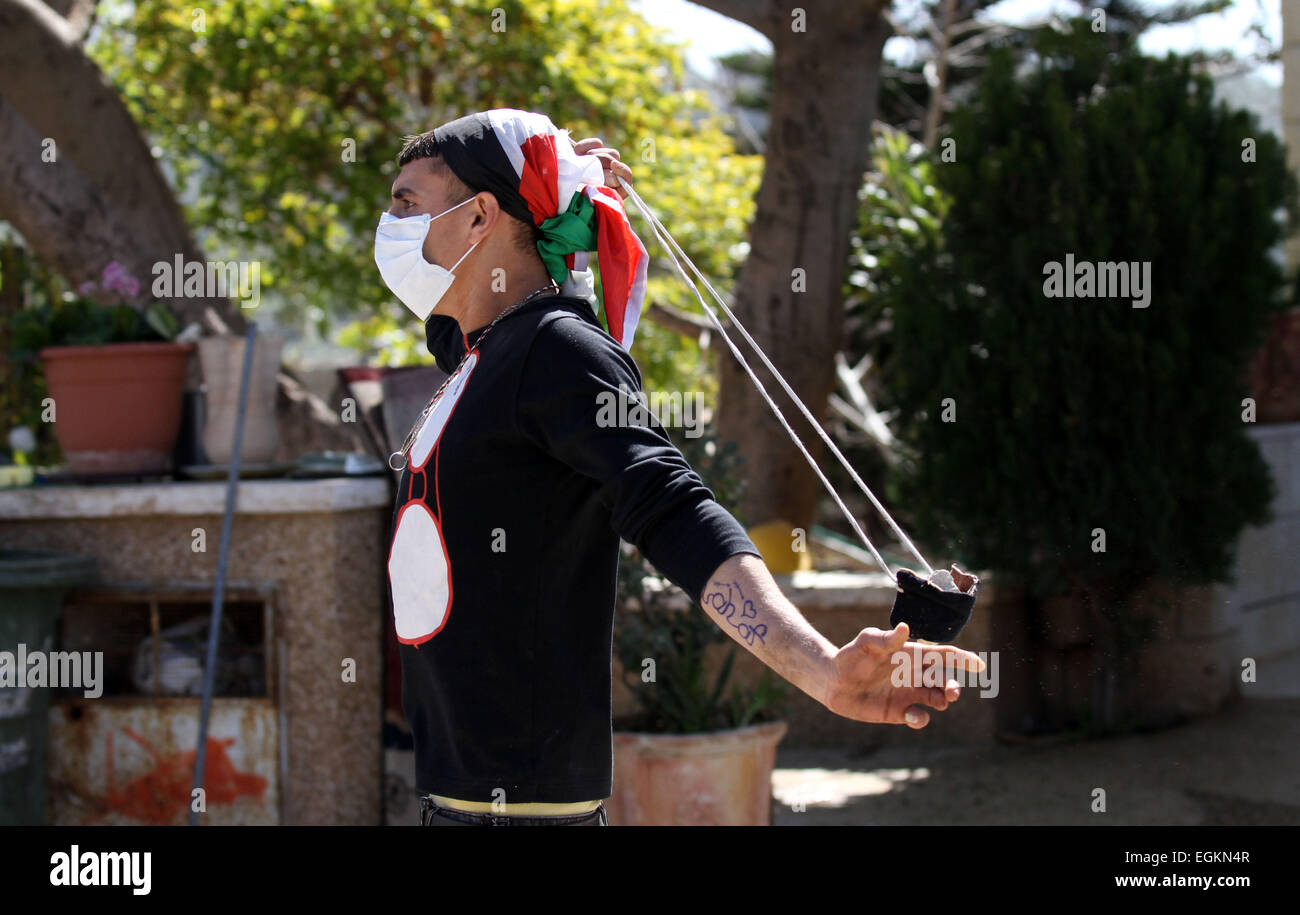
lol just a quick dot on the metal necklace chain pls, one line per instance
(552, 287)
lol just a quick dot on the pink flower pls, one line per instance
(113, 270)
(118, 280)
(87, 288)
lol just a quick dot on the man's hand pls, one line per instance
(864, 673)
(869, 679)
(609, 158)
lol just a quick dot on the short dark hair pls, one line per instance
(425, 146)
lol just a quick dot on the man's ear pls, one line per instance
(486, 214)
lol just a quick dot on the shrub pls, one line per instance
(1070, 415)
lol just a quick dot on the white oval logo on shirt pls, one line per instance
(431, 431)
(418, 571)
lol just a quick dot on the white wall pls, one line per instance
(1264, 603)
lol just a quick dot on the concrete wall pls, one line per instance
(318, 543)
(1201, 634)
(1263, 605)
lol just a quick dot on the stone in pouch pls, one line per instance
(932, 613)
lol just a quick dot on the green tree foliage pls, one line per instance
(1073, 414)
(902, 212)
(281, 123)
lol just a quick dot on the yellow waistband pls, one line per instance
(534, 808)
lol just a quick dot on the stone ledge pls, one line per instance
(813, 590)
(253, 497)
(829, 590)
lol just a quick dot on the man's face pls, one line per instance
(419, 189)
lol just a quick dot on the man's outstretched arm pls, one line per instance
(856, 680)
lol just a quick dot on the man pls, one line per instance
(513, 497)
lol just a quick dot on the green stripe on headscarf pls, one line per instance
(573, 230)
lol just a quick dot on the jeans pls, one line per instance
(433, 815)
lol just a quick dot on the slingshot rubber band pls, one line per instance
(665, 239)
(931, 613)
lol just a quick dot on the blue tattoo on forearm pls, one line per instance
(737, 609)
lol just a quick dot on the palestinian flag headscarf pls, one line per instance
(532, 169)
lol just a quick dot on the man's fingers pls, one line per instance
(934, 697)
(593, 145)
(610, 162)
(916, 718)
(911, 702)
(953, 656)
(615, 168)
(889, 640)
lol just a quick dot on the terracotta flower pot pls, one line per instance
(117, 408)
(721, 778)
(222, 359)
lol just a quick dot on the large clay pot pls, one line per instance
(117, 407)
(222, 359)
(721, 778)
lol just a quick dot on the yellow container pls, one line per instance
(777, 542)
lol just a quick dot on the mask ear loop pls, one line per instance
(462, 257)
(471, 247)
(669, 244)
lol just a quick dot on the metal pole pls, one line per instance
(223, 558)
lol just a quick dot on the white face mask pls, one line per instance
(399, 254)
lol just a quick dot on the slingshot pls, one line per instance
(935, 608)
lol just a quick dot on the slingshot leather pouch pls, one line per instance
(931, 613)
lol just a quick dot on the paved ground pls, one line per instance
(1241, 767)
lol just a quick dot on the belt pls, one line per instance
(527, 808)
(429, 808)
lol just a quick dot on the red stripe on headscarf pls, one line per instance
(617, 252)
(539, 184)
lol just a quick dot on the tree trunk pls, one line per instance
(103, 197)
(825, 84)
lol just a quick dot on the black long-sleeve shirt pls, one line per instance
(505, 550)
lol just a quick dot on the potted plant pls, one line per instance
(700, 749)
(114, 371)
